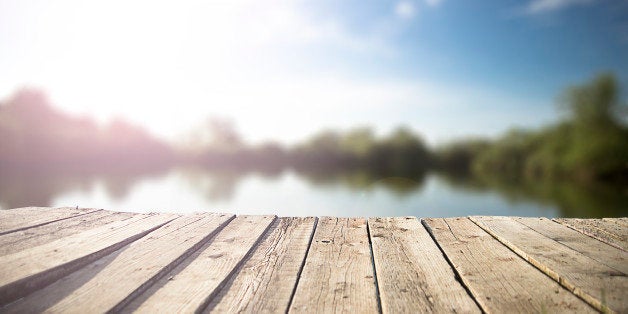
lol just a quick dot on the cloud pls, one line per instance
(229, 59)
(545, 6)
(405, 9)
(433, 3)
(287, 23)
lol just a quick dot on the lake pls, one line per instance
(290, 193)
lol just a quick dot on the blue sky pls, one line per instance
(284, 69)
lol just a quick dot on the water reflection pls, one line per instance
(362, 180)
(51, 158)
(22, 187)
(571, 199)
(290, 192)
(216, 185)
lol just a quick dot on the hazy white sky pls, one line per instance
(279, 69)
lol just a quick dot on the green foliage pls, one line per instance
(545, 159)
(400, 153)
(592, 106)
(359, 142)
(458, 156)
(507, 155)
(590, 144)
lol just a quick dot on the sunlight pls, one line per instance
(151, 61)
(496, 99)
(267, 66)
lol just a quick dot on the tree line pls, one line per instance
(590, 143)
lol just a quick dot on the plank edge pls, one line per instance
(458, 276)
(589, 234)
(47, 222)
(208, 299)
(165, 270)
(567, 284)
(25, 286)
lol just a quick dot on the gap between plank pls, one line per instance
(591, 235)
(458, 276)
(150, 282)
(228, 284)
(235, 269)
(377, 294)
(49, 276)
(307, 251)
(46, 223)
(592, 301)
(563, 244)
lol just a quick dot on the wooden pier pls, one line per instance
(90, 260)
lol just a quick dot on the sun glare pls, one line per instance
(164, 64)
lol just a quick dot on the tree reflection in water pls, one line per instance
(20, 188)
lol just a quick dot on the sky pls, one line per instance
(282, 70)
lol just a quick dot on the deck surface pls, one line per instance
(90, 260)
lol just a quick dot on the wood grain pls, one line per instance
(34, 268)
(412, 274)
(134, 268)
(599, 251)
(613, 231)
(623, 221)
(601, 286)
(192, 285)
(81, 260)
(500, 280)
(32, 237)
(338, 273)
(265, 283)
(12, 220)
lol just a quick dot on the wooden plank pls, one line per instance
(601, 286)
(619, 220)
(32, 237)
(31, 269)
(499, 280)
(412, 274)
(12, 220)
(192, 285)
(599, 251)
(127, 273)
(338, 273)
(265, 283)
(611, 231)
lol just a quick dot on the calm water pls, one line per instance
(288, 193)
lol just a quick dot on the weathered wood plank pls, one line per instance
(32, 237)
(600, 251)
(611, 231)
(618, 220)
(338, 273)
(192, 285)
(131, 270)
(78, 260)
(623, 221)
(265, 283)
(12, 220)
(31, 269)
(598, 284)
(412, 274)
(499, 279)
